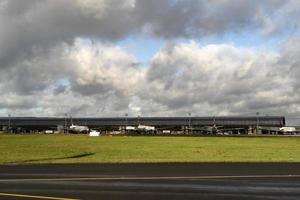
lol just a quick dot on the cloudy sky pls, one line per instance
(149, 57)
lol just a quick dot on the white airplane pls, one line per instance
(283, 130)
(79, 129)
(140, 127)
(287, 130)
(145, 128)
(130, 128)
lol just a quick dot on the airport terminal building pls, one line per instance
(238, 124)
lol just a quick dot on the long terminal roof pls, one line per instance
(232, 121)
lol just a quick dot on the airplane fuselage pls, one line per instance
(79, 129)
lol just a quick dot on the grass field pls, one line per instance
(23, 149)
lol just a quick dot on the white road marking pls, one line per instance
(33, 196)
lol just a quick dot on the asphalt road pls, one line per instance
(151, 181)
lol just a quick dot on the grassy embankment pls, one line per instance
(22, 149)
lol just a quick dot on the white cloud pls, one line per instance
(98, 79)
(223, 78)
(104, 68)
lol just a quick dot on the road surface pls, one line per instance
(151, 181)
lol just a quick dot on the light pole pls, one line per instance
(65, 129)
(257, 122)
(126, 115)
(189, 114)
(9, 122)
(139, 120)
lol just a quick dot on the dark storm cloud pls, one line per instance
(30, 24)
(37, 73)
(43, 24)
(191, 18)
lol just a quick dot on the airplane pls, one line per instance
(145, 128)
(282, 130)
(214, 129)
(78, 128)
(208, 129)
(219, 130)
(130, 128)
(140, 128)
(287, 130)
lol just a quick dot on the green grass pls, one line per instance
(22, 149)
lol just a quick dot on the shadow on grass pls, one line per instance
(49, 159)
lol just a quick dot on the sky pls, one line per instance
(106, 58)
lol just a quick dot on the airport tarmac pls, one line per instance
(151, 181)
